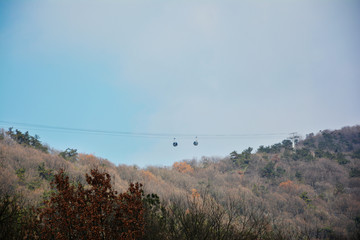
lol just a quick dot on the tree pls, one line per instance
(304, 196)
(15, 217)
(270, 149)
(269, 171)
(94, 212)
(303, 154)
(234, 155)
(243, 159)
(44, 173)
(69, 154)
(183, 167)
(26, 139)
(288, 186)
(287, 144)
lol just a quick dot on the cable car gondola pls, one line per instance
(196, 142)
(175, 143)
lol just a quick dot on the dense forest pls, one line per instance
(309, 190)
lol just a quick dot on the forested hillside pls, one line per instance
(311, 191)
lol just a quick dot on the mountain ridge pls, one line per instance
(314, 188)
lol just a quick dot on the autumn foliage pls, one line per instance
(94, 212)
(149, 176)
(288, 185)
(183, 167)
(279, 192)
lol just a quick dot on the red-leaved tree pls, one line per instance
(92, 212)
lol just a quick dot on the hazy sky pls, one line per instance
(178, 67)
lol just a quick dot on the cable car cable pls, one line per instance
(138, 134)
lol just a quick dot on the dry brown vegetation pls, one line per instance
(311, 192)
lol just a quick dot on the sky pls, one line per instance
(251, 71)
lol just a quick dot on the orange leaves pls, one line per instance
(194, 193)
(149, 176)
(88, 159)
(183, 167)
(288, 185)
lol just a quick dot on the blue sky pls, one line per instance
(178, 67)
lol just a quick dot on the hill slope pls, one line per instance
(313, 190)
